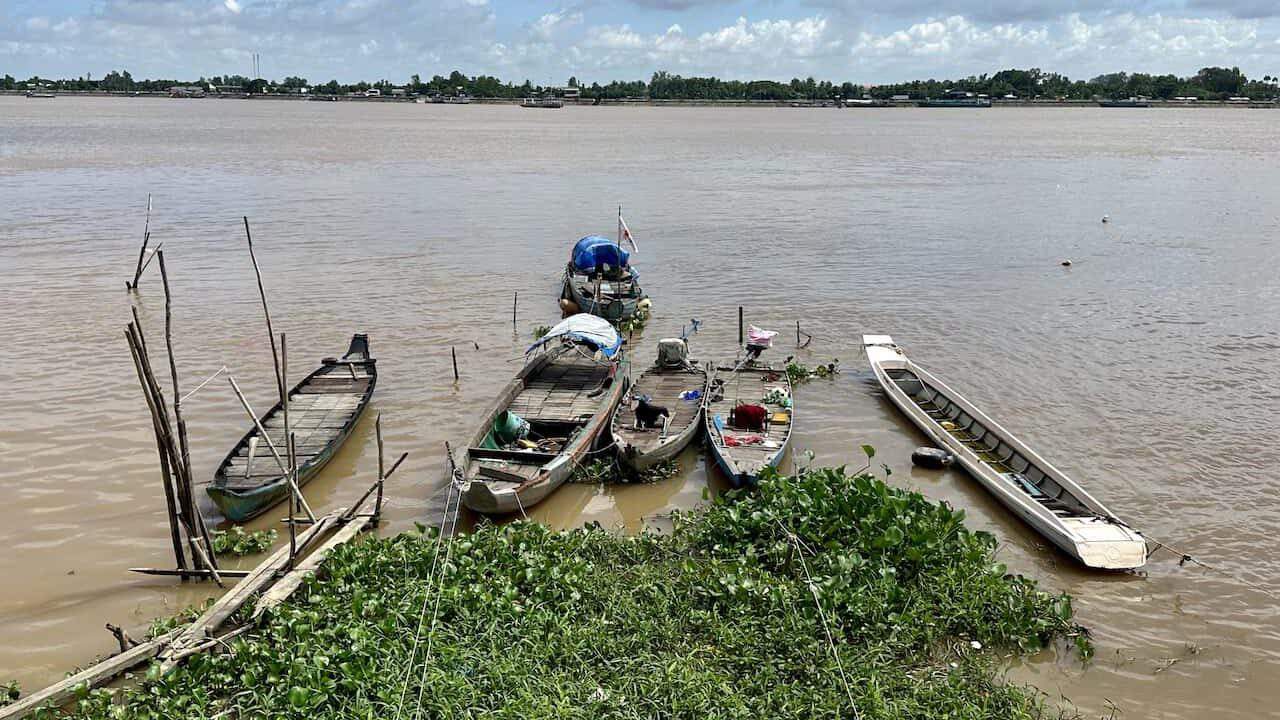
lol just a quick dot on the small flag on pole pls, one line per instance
(624, 233)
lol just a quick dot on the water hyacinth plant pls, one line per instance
(823, 594)
(237, 542)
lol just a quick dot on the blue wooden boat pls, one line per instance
(599, 280)
(740, 448)
(323, 409)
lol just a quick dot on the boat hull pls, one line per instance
(612, 309)
(637, 449)
(743, 465)
(1100, 541)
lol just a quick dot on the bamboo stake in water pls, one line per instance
(377, 504)
(193, 513)
(263, 293)
(146, 238)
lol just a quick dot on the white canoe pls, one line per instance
(1027, 484)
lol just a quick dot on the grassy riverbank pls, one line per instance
(718, 619)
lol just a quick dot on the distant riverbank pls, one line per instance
(829, 104)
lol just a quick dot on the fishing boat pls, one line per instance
(40, 94)
(323, 409)
(1036, 491)
(546, 420)
(674, 384)
(599, 280)
(1133, 102)
(550, 103)
(749, 414)
(956, 99)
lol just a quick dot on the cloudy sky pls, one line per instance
(865, 41)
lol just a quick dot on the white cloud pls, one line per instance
(546, 26)
(232, 5)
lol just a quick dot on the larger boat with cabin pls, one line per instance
(1043, 496)
(599, 280)
(547, 419)
(956, 99)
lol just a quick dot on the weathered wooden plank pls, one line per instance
(91, 677)
(290, 582)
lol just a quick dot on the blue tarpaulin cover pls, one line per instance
(593, 251)
(589, 329)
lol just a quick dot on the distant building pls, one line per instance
(399, 92)
(373, 92)
(901, 98)
(571, 92)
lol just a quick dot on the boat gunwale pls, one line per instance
(664, 450)
(719, 449)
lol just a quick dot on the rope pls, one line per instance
(422, 613)
(1185, 558)
(831, 643)
(435, 613)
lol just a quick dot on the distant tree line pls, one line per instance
(1210, 83)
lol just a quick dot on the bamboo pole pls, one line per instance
(382, 476)
(146, 238)
(291, 447)
(193, 513)
(263, 293)
(515, 302)
(165, 476)
(739, 325)
(271, 446)
(454, 352)
(188, 574)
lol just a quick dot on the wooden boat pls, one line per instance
(599, 280)
(663, 384)
(323, 409)
(546, 420)
(1036, 491)
(1132, 102)
(549, 103)
(740, 452)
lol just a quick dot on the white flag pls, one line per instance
(624, 233)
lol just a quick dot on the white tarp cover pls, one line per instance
(587, 328)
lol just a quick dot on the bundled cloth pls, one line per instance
(761, 338)
(748, 417)
(740, 440)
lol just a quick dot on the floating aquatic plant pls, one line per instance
(823, 594)
(800, 373)
(238, 543)
(10, 692)
(540, 331)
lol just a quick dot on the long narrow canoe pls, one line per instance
(640, 448)
(1043, 496)
(743, 453)
(323, 409)
(547, 419)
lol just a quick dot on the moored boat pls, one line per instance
(546, 420)
(599, 280)
(1133, 102)
(1043, 496)
(550, 103)
(323, 409)
(673, 384)
(748, 414)
(956, 99)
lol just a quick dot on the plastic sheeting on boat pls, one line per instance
(590, 329)
(593, 251)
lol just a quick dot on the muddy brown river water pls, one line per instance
(1148, 369)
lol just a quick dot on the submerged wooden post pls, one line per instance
(739, 324)
(454, 352)
(515, 302)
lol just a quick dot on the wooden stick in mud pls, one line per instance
(91, 677)
(454, 352)
(271, 446)
(263, 293)
(515, 302)
(146, 238)
(194, 517)
(382, 476)
(290, 446)
(165, 474)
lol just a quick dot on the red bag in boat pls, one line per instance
(748, 417)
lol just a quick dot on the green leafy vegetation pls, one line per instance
(10, 692)
(237, 542)
(820, 595)
(636, 322)
(609, 471)
(800, 373)
(540, 331)
(162, 625)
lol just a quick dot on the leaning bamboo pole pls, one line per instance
(142, 252)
